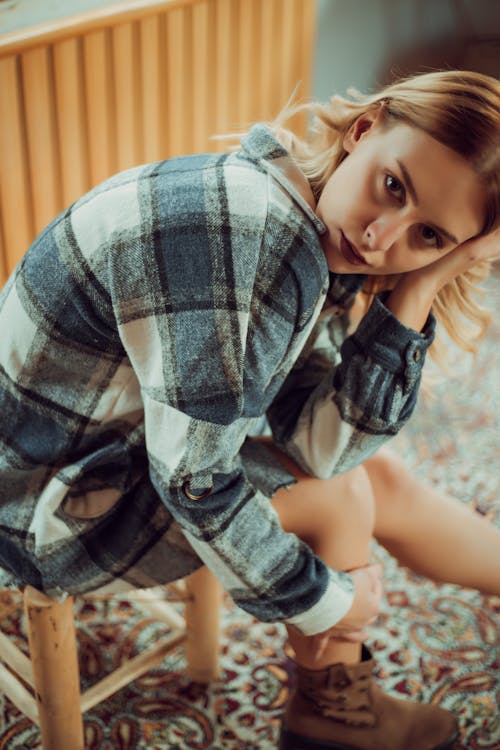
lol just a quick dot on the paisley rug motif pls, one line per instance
(433, 643)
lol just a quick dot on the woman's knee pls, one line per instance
(354, 497)
(345, 526)
(386, 469)
(395, 491)
(391, 481)
(333, 516)
(341, 503)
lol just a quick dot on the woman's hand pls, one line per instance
(412, 297)
(364, 610)
(459, 260)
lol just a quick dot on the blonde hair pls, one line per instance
(461, 109)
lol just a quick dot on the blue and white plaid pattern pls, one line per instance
(142, 335)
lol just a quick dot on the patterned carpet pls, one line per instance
(432, 643)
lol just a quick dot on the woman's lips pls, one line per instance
(350, 253)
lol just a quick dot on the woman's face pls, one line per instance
(399, 201)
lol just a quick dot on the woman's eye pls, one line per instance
(395, 187)
(431, 237)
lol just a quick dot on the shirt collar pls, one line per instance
(262, 145)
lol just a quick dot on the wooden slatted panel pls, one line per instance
(42, 135)
(203, 78)
(287, 54)
(152, 82)
(179, 65)
(15, 190)
(128, 99)
(70, 114)
(306, 30)
(249, 61)
(100, 109)
(268, 34)
(153, 87)
(3, 256)
(226, 42)
(296, 54)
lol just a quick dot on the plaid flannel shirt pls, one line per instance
(143, 334)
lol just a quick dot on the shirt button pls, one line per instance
(416, 355)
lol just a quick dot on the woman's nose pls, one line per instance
(383, 232)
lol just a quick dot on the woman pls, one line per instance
(152, 324)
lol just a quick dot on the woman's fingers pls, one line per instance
(321, 642)
(369, 590)
(452, 264)
(367, 597)
(484, 248)
(466, 256)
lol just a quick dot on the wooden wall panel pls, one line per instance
(99, 105)
(16, 209)
(70, 117)
(42, 134)
(203, 82)
(153, 86)
(179, 67)
(134, 82)
(127, 94)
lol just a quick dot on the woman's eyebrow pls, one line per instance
(411, 189)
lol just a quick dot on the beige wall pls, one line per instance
(359, 42)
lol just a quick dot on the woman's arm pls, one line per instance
(337, 407)
(331, 416)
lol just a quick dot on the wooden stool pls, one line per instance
(56, 703)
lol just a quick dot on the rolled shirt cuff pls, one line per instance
(334, 604)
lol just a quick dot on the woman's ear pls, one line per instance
(360, 127)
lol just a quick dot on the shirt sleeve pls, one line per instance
(338, 406)
(235, 530)
(196, 469)
(209, 360)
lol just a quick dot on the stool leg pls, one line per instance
(203, 625)
(52, 642)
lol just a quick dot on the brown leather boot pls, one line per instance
(340, 708)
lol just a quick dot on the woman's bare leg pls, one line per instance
(335, 517)
(423, 528)
(428, 531)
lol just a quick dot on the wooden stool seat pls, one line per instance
(46, 686)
